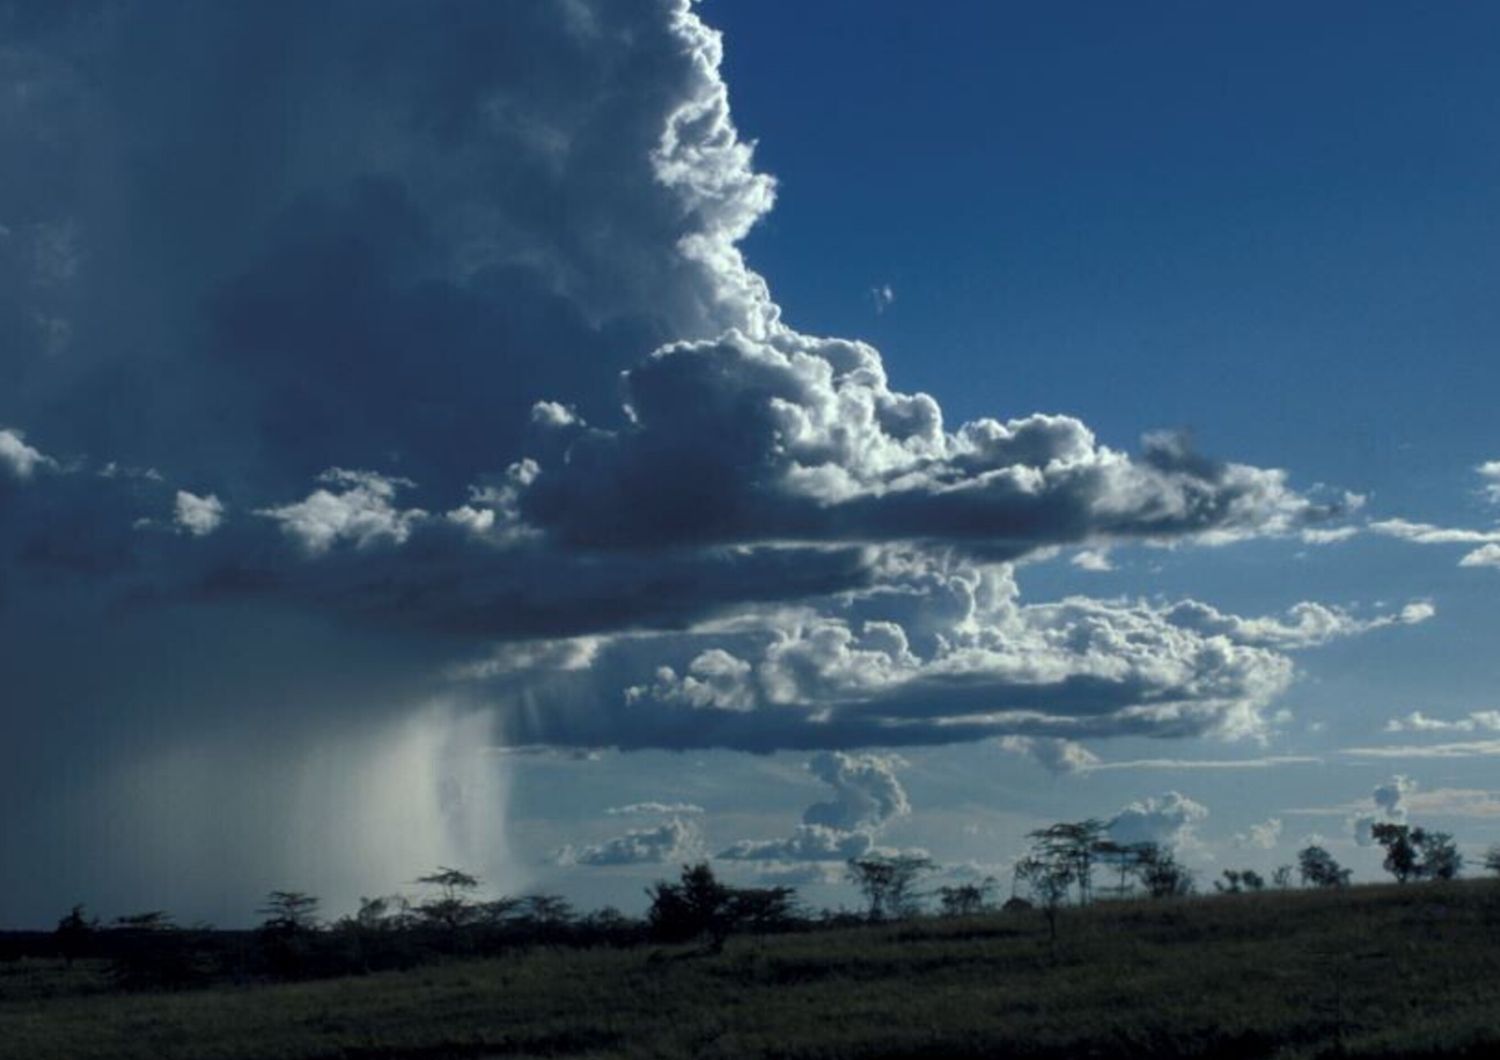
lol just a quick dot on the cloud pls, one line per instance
(1391, 800)
(20, 459)
(1054, 755)
(1092, 559)
(1327, 536)
(1264, 762)
(674, 809)
(882, 296)
(1428, 534)
(1307, 624)
(361, 512)
(1488, 552)
(867, 795)
(1263, 836)
(1489, 471)
(199, 516)
(1464, 749)
(788, 437)
(1484, 556)
(809, 842)
(1416, 721)
(866, 792)
(1168, 820)
(491, 255)
(668, 843)
(1390, 796)
(945, 651)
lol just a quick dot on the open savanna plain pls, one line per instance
(1369, 971)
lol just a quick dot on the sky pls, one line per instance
(568, 438)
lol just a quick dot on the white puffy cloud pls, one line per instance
(672, 841)
(940, 651)
(866, 796)
(20, 459)
(1054, 755)
(1092, 559)
(1416, 721)
(1390, 796)
(1168, 820)
(1263, 836)
(199, 516)
(554, 414)
(360, 512)
(1484, 556)
(790, 437)
(1391, 801)
(1489, 471)
(866, 791)
(808, 842)
(1306, 624)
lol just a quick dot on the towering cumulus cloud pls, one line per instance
(357, 357)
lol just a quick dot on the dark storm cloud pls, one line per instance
(355, 355)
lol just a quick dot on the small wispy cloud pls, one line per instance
(882, 296)
(1474, 721)
(1266, 762)
(1463, 749)
(1093, 559)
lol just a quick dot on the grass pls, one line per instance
(1372, 971)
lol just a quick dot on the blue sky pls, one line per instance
(439, 428)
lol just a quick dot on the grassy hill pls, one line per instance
(1370, 971)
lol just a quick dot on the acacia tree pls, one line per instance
(1402, 859)
(289, 912)
(1492, 859)
(1048, 875)
(889, 882)
(452, 908)
(1161, 873)
(1076, 842)
(74, 931)
(965, 899)
(1415, 853)
(1237, 881)
(1318, 868)
(1440, 857)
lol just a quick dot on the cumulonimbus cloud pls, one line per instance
(490, 254)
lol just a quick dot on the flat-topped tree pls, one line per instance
(453, 908)
(1079, 843)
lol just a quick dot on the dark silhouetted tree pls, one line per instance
(697, 905)
(289, 912)
(966, 899)
(1318, 868)
(1237, 881)
(1403, 858)
(889, 883)
(153, 920)
(453, 908)
(1281, 876)
(1492, 859)
(1079, 842)
(1049, 875)
(1440, 857)
(74, 932)
(1161, 873)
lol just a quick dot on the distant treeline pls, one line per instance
(150, 951)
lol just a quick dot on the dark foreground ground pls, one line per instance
(1377, 971)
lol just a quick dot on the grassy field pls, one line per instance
(1373, 971)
